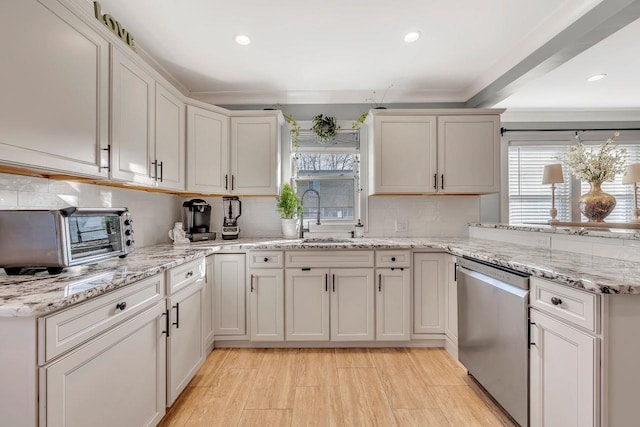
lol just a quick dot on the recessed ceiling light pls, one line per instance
(596, 77)
(241, 39)
(412, 36)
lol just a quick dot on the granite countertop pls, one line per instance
(39, 294)
(611, 233)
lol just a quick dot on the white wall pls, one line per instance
(153, 213)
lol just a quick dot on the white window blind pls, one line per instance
(623, 211)
(529, 199)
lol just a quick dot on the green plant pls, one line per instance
(294, 128)
(325, 128)
(288, 203)
(360, 121)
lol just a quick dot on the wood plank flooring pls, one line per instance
(333, 387)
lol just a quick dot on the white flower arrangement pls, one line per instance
(593, 165)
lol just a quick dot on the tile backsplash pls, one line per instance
(153, 213)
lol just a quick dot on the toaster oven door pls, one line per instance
(94, 236)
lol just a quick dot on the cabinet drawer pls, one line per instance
(69, 328)
(182, 276)
(393, 258)
(329, 258)
(574, 306)
(266, 259)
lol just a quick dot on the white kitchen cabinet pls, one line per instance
(435, 151)
(255, 155)
(267, 304)
(208, 316)
(564, 368)
(469, 154)
(352, 300)
(207, 151)
(428, 294)
(393, 304)
(116, 379)
(54, 80)
(404, 154)
(307, 304)
(132, 121)
(170, 133)
(185, 351)
(451, 309)
(229, 294)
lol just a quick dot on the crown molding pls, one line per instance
(571, 115)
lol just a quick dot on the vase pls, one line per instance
(596, 204)
(289, 228)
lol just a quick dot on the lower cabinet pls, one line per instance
(563, 372)
(393, 304)
(323, 304)
(267, 300)
(185, 352)
(117, 379)
(208, 317)
(451, 305)
(229, 294)
(428, 294)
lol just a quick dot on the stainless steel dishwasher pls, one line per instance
(493, 332)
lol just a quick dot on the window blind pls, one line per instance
(529, 199)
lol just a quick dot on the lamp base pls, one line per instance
(554, 221)
(553, 213)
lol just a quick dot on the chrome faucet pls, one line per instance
(302, 229)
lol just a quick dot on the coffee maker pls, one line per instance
(197, 220)
(232, 209)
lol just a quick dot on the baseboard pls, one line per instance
(451, 347)
(439, 343)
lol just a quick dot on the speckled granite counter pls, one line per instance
(612, 233)
(39, 294)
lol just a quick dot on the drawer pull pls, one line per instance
(556, 301)
(177, 322)
(379, 282)
(121, 305)
(266, 259)
(251, 282)
(393, 259)
(167, 327)
(189, 274)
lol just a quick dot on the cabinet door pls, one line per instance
(132, 121)
(208, 317)
(428, 294)
(170, 136)
(255, 165)
(54, 80)
(267, 304)
(307, 304)
(207, 151)
(563, 370)
(469, 154)
(451, 294)
(229, 294)
(186, 351)
(404, 154)
(352, 295)
(118, 376)
(393, 304)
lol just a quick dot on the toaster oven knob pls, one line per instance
(128, 221)
(129, 242)
(128, 232)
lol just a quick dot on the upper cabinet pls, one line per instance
(255, 155)
(237, 155)
(170, 140)
(54, 80)
(132, 121)
(207, 151)
(435, 151)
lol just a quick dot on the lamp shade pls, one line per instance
(632, 174)
(552, 174)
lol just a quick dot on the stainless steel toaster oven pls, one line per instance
(61, 238)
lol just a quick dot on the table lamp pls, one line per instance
(632, 176)
(553, 175)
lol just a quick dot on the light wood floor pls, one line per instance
(333, 387)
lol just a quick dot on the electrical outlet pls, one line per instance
(401, 225)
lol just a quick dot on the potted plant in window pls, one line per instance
(289, 207)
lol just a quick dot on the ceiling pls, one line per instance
(351, 51)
